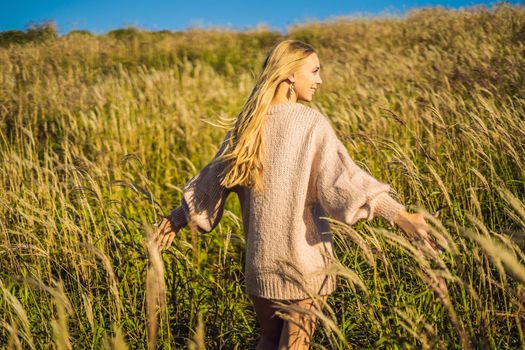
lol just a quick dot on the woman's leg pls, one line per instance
(294, 336)
(271, 324)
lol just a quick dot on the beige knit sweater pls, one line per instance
(307, 174)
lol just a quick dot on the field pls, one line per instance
(100, 132)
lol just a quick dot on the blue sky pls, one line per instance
(101, 16)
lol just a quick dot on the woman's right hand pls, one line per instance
(415, 226)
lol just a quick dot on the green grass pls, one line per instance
(100, 132)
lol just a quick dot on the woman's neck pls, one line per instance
(281, 95)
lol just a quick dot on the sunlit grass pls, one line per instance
(100, 133)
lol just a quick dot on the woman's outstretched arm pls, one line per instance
(348, 193)
(344, 190)
(202, 203)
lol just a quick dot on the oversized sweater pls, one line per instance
(307, 174)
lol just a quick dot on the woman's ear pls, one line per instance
(291, 78)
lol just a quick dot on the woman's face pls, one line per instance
(307, 79)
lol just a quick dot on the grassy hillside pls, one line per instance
(100, 132)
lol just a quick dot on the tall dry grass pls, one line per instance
(99, 133)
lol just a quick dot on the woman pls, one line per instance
(284, 161)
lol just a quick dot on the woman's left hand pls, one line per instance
(165, 233)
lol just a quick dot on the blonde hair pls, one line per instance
(243, 151)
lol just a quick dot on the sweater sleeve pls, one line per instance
(203, 198)
(344, 190)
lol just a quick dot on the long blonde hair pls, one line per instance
(243, 151)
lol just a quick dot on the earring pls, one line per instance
(291, 91)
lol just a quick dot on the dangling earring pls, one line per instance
(291, 91)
